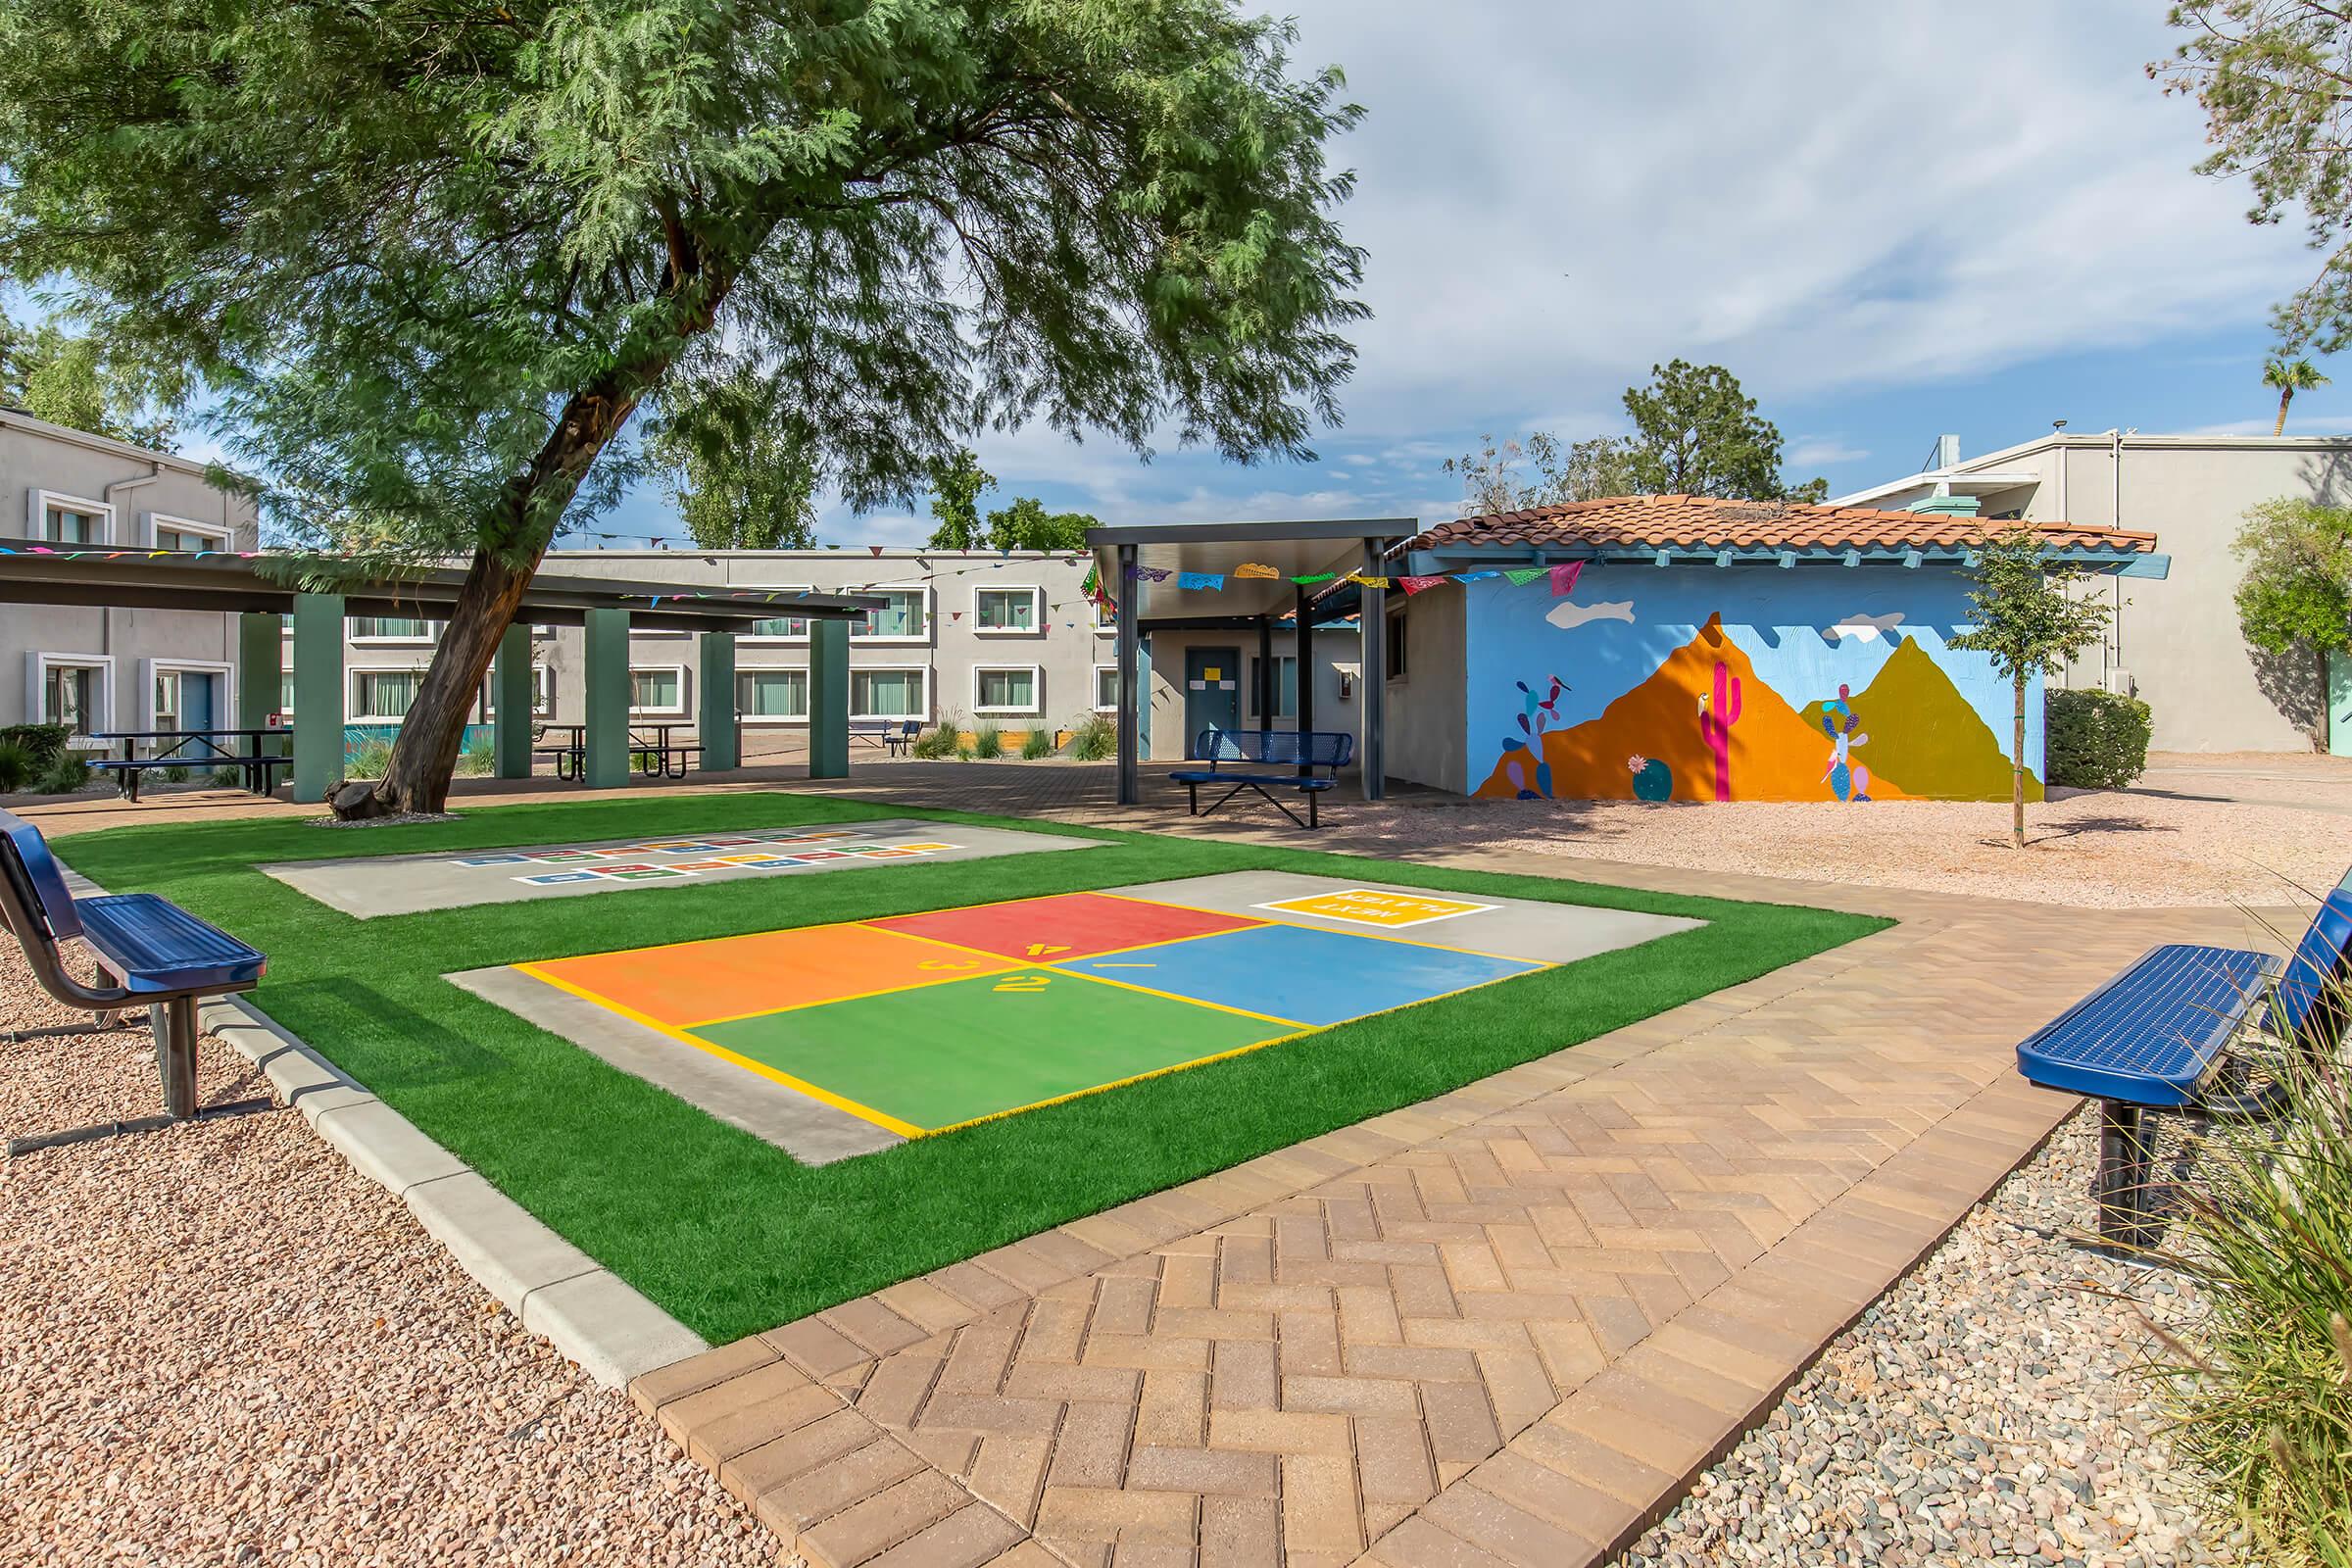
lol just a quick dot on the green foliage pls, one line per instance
(2026, 618)
(176, 773)
(46, 742)
(68, 379)
(18, 766)
(227, 778)
(1095, 737)
(64, 774)
(479, 758)
(368, 760)
(2270, 76)
(2287, 379)
(988, 742)
(741, 479)
(2094, 740)
(956, 484)
(936, 742)
(2263, 1400)
(1026, 524)
(1037, 743)
(2298, 590)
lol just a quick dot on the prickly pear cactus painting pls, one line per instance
(1654, 780)
(1715, 721)
(1523, 763)
(1848, 779)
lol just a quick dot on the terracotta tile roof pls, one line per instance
(1706, 522)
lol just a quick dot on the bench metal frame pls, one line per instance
(1318, 756)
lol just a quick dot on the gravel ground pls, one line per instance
(219, 1344)
(1984, 1412)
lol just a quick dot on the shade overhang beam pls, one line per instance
(2122, 561)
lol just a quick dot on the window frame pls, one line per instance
(1037, 609)
(685, 704)
(1395, 650)
(1251, 707)
(924, 707)
(745, 715)
(431, 636)
(1113, 670)
(355, 712)
(763, 639)
(153, 523)
(1036, 691)
(922, 639)
(37, 664)
(37, 516)
(152, 669)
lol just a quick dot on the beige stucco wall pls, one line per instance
(1426, 728)
(1338, 654)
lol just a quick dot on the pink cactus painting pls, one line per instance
(1715, 721)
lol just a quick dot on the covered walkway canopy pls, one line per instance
(248, 586)
(1183, 576)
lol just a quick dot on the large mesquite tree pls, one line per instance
(431, 256)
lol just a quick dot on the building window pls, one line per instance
(1007, 688)
(285, 694)
(1107, 616)
(657, 691)
(381, 694)
(64, 519)
(1393, 646)
(1106, 688)
(783, 628)
(772, 696)
(73, 695)
(543, 691)
(1286, 686)
(889, 694)
(391, 629)
(167, 699)
(1008, 610)
(905, 618)
(180, 534)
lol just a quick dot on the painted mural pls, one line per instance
(1738, 684)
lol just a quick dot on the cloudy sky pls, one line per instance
(1889, 221)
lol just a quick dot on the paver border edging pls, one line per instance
(560, 1293)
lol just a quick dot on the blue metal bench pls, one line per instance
(2157, 1038)
(150, 952)
(1314, 758)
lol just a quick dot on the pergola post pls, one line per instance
(1374, 623)
(714, 718)
(1269, 681)
(1305, 649)
(607, 764)
(1130, 642)
(261, 670)
(510, 694)
(317, 694)
(828, 699)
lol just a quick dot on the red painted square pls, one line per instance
(1065, 925)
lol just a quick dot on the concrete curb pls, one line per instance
(558, 1291)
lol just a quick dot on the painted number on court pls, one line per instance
(1370, 907)
(1025, 982)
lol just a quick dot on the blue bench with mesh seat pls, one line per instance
(1313, 758)
(2163, 1036)
(149, 951)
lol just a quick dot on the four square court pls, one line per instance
(836, 1040)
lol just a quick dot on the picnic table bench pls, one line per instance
(659, 756)
(2171, 1034)
(258, 765)
(149, 951)
(1313, 757)
(894, 735)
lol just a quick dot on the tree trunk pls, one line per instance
(2017, 775)
(2286, 395)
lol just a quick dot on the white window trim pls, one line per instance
(429, 638)
(36, 515)
(685, 701)
(753, 720)
(150, 522)
(922, 639)
(1037, 689)
(37, 662)
(352, 713)
(1037, 609)
(543, 691)
(763, 639)
(1105, 618)
(1111, 707)
(149, 669)
(923, 670)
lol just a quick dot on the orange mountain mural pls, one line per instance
(1923, 733)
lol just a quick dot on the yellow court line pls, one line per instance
(880, 1118)
(995, 964)
(1121, 1083)
(1170, 996)
(1301, 925)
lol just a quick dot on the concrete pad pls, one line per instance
(811, 1131)
(1473, 922)
(408, 884)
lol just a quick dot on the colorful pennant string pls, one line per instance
(1521, 576)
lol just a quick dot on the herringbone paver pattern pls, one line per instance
(1502, 1326)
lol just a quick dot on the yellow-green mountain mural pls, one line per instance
(1928, 734)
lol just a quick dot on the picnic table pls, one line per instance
(166, 745)
(657, 758)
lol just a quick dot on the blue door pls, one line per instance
(1212, 693)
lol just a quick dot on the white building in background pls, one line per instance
(2175, 642)
(96, 668)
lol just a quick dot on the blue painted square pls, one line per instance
(493, 860)
(1300, 974)
(561, 876)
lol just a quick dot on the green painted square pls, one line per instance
(640, 876)
(937, 1055)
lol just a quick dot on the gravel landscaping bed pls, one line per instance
(221, 1344)
(1982, 1412)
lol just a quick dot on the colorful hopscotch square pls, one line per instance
(1370, 907)
(782, 862)
(745, 859)
(1302, 974)
(547, 878)
(493, 860)
(550, 856)
(676, 846)
(928, 849)
(702, 865)
(1065, 925)
(640, 874)
(887, 853)
(821, 855)
(889, 1055)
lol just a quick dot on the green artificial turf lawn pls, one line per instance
(731, 1234)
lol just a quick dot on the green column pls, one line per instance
(317, 694)
(828, 699)
(608, 713)
(714, 722)
(510, 692)
(260, 668)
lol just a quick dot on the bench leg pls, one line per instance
(2123, 1189)
(175, 1025)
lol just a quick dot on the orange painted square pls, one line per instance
(728, 977)
(1065, 925)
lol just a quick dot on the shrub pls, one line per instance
(18, 766)
(176, 773)
(67, 776)
(480, 755)
(1094, 738)
(1035, 744)
(936, 742)
(46, 742)
(988, 741)
(227, 778)
(370, 759)
(2264, 1398)
(2096, 740)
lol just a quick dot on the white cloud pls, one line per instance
(1816, 450)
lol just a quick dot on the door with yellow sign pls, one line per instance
(1212, 693)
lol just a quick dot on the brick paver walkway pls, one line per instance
(1505, 1325)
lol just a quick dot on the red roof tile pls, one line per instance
(1706, 522)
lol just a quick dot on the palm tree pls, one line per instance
(2289, 377)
